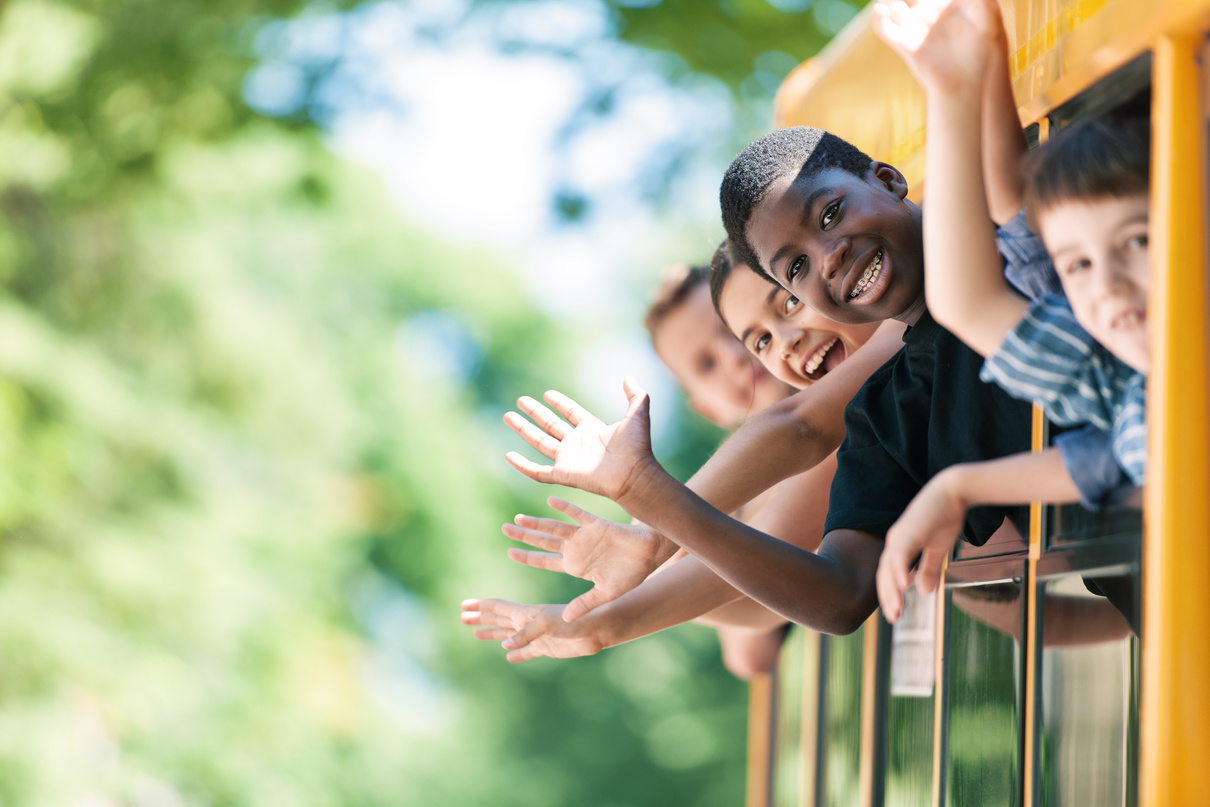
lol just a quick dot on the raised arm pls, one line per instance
(946, 45)
(1003, 141)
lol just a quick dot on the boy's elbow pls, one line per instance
(849, 622)
(842, 619)
(815, 437)
(1004, 210)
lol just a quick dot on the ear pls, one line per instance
(889, 177)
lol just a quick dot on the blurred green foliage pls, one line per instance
(250, 440)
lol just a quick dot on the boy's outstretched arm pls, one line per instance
(920, 540)
(946, 44)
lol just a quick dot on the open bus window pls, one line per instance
(793, 760)
(911, 703)
(840, 758)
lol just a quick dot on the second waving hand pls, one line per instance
(614, 557)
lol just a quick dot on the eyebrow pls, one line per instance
(1063, 249)
(743, 337)
(804, 221)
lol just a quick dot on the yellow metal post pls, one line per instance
(1175, 742)
(760, 729)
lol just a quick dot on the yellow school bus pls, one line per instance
(1072, 668)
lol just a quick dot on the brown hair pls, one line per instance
(679, 281)
(1092, 159)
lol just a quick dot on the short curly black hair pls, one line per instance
(799, 150)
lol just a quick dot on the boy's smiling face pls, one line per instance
(849, 247)
(1099, 248)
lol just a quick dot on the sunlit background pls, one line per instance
(272, 272)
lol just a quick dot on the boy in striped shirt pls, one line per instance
(1084, 357)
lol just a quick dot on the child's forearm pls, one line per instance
(830, 591)
(684, 591)
(1031, 477)
(1003, 141)
(687, 589)
(793, 435)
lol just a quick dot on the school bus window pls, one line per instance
(788, 763)
(983, 764)
(1089, 703)
(841, 757)
(911, 705)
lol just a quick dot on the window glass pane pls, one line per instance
(842, 719)
(1089, 697)
(1071, 523)
(787, 751)
(983, 761)
(910, 711)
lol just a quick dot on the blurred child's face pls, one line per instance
(1099, 248)
(722, 382)
(796, 344)
(851, 248)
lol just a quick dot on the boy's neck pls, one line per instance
(911, 315)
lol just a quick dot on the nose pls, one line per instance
(1113, 276)
(789, 337)
(834, 257)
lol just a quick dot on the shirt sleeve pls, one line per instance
(1050, 360)
(1089, 458)
(1027, 264)
(1130, 430)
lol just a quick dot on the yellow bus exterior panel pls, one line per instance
(859, 89)
(1175, 741)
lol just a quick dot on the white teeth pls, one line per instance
(869, 276)
(817, 358)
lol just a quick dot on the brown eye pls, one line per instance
(795, 268)
(829, 215)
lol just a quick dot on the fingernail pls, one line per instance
(507, 644)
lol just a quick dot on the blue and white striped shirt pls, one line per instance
(1051, 360)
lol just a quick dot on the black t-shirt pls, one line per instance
(922, 411)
